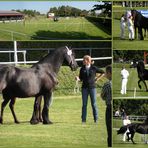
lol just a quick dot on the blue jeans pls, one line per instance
(92, 93)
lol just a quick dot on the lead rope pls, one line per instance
(76, 87)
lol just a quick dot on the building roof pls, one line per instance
(10, 13)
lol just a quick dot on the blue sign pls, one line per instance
(144, 12)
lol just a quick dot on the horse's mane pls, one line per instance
(138, 13)
(49, 56)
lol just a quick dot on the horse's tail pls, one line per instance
(122, 130)
(4, 69)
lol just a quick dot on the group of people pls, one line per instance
(87, 75)
(127, 20)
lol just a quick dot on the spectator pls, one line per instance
(106, 95)
(88, 77)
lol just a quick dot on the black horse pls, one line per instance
(142, 73)
(140, 22)
(141, 128)
(37, 81)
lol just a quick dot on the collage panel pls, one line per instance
(65, 109)
(130, 122)
(129, 74)
(43, 47)
(130, 21)
(130, 98)
(55, 20)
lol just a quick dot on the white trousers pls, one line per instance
(131, 32)
(124, 135)
(122, 35)
(123, 86)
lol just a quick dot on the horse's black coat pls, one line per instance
(141, 128)
(37, 81)
(140, 22)
(142, 73)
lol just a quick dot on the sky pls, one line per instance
(44, 6)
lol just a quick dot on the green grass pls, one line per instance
(131, 85)
(117, 139)
(44, 29)
(119, 44)
(65, 132)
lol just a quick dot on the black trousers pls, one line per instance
(109, 125)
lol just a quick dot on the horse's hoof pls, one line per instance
(47, 122)
(40, 120)
(17, 122)
(34, 121)
(1, 121)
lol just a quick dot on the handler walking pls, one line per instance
(88, 76)
(126, 121)
(124, 75)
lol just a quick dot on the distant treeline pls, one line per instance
(68, 11)
(131, 107)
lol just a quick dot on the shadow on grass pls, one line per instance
(12, 123)
(106, 27)
(53, 35)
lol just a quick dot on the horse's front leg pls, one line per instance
(144, 83)
(47, 102)
(11, 105)
(140, 33)
(132, 136)
(135, 32)
(36, 115)
(139, 83)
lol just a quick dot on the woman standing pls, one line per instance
(88, 77)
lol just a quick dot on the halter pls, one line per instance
(69, 52)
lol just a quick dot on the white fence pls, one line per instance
(135, 118)
(16, 51)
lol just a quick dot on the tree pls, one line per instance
(68, 11)
(106, 8)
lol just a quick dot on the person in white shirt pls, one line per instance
(124, 75)
(122, 26)
(117, 113)
(126, 121)
(131, 28)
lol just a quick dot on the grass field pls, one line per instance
(125, 44)
(66, 131)
(41, 28)
(117, 139)
(131, 85)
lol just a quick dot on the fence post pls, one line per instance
(15, 53)
(24, 57)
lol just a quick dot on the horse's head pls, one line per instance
(70, 58)
(133, 13)
(140, 67)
